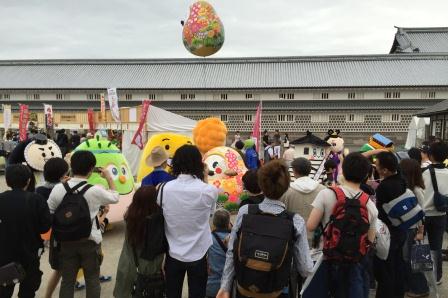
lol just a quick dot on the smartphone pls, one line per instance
(97, 170)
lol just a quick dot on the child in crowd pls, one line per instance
(330, 167)
(250, 182)
(157, 159)
(217, 252)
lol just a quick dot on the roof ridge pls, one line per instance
(423, 29)
(278, 59)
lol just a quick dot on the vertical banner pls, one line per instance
(102, 109)
(48, 110)
(91, 119)
(256, 131)
(138, 137)
(23, 121)
(113, 104)
(7, 117)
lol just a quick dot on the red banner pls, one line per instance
(103, 109)
(23, 121)
(138, 137)
(256, 131)
(91, 119)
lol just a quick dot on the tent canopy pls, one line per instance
(158, 121)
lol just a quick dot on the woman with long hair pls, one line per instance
(416, 283)
(143, 205)
(188, 203)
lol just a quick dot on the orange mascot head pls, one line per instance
(209, 133)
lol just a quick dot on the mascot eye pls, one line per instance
(113, 170)
(215, 164)
(167, 147)
(123, 170)
(52, 153)
(43, 154)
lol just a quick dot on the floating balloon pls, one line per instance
(203, 33)
(209, 133)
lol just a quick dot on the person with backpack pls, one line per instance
(390, 273)
(268, 152)
(188, 203)
(348, 220)
(435, 202)
(250, 184)
(217, 252)
(264, 241)
(143, 205)
(75, 205)
(23, 217)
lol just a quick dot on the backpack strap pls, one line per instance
(433, 179)
(223, 246)
(340, 195)
(253, 209)
(160, 191)
(76, 187)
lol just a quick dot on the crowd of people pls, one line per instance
(173, 228)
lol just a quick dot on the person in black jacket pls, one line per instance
(23, 217)
(390, 273)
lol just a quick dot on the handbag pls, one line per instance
(382, 240)
(147, 285)
(11, 274)
(155, 242)
(440, 201)
(421, 258)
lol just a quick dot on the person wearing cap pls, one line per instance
(158, 160)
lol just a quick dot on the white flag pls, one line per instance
(7, 117)
(113, 104)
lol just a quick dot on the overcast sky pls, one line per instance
(50, 29)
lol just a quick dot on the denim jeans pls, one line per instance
(414, 282)
(175, 273)
(348, 280)
(435, 227)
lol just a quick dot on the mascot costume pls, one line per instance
(337, 151)
(169, 141)
(109, 157)
(35, 152)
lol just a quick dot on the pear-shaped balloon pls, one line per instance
(203, 33)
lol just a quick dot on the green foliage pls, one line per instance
(244, 196)
(223, 198)
(231, 207)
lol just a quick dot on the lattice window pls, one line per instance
(324, 95)
(224, 117)
(152, 96)
(290, 96)
(183, 96)
(60, 96)
(36, 96)
(93, 96)
(351, 95)
(391, 118)
(394, 94)
(224, 96)
(248, 118)
(128, 96)
(320, 118)
(249, 96)
(191, 96)
(285, 118)
(6, 96)
(432, 94)
(355, 118)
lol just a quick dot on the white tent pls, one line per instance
(158, 121)
(416, 132)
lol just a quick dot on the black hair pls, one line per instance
(415, 154)
(82, 162)
(439, 151)
(188, 160)
(239, 145)
(250, 182)
(17, 176)
(330, 164)
(55, 169)
(301, 166)
(387, 160)
(355, 167)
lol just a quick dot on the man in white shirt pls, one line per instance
(435, 221)
(84, 253)
(188, 203)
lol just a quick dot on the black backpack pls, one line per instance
(155, 242)
(263, 253)
(440, 201)
(71, 220)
